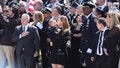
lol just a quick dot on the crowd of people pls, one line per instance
(67, 33)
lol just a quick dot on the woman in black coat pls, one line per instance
(59, 40)
(112, 39)
(75, 42)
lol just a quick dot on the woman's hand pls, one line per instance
(36, 54)
(58, 31)
(48, 40)
(77, 35)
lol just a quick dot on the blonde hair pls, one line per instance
(65, 23)
(39, 16)
(51, 21)
(118, 19)
(113, 19)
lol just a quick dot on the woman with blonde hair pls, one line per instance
(118, 17)
(76, 29)
(112, 19)
(112, 39)
(61, 38)
(38, 19)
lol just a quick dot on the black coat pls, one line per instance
(95, 43)
(58, 53)
(9, 25)
(112, 40)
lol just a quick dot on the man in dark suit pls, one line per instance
(100, 51)
(27, 47)
(88, 32)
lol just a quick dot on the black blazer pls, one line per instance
(30, 43)
(95, 44)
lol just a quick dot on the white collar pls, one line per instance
(26, 27)
(39, 25)
(102, 7)
(88, 15)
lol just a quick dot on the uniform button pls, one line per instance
(23, 49)
(87, 28)
(86, 40)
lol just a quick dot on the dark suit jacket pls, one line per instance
(95, 44)
(30, 43)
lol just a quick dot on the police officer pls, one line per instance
(44, 47)
(99, 13)
(72, 13)
(88, 32)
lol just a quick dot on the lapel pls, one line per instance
(28, 29)
(97, 37)
(86, 21)
(21, 29)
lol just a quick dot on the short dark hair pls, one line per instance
(102, 21)
(15, 11)
(58, 9)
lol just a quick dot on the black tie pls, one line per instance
(100, 8)
(100, 39)
(71, 16)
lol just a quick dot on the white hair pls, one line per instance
(26, 16)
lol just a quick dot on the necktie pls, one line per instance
(23, 28)
(100, 43)
(100, 8)
(70, 15)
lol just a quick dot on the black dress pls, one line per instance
(74, 52)
(58, 54)
(75, 41)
